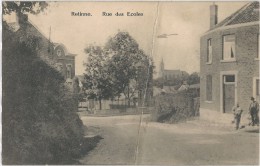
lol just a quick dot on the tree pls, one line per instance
(125, 63)
(97, 77)
(22, 7)
(193, 78)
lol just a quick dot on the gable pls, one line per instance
(246, 14)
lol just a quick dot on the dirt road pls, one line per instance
(161, 144)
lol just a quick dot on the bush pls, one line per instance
(40, 123)
(173, 108)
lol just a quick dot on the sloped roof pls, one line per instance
(169, 89)
(248, 13)
(30, 23)
(194, 86)
(183, 87)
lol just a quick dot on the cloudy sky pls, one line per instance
(187, 19)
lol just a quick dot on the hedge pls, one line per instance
(39, 123)
(174, 108)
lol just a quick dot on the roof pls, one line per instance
(169, 89)
(54, 44)
(183, 87)
(173, 72)
(248, 13)
(67, 53)
(194, 86)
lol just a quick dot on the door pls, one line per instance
(228, 93)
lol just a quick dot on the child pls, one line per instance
(237, 111)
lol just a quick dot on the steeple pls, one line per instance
(161, 68)
(162, 64)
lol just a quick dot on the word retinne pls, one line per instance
(80, 14)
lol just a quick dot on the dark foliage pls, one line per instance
(173, 108)
(32, 7)
(40, 124)
(193, 78)
(121, 67)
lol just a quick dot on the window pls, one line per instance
(59, 52)
(229, 78)
(58, 66)
(257, 87)
(69, 70)
(258, 46)
(256, 90)
(228, 47)
(209, 51)
(209, 88)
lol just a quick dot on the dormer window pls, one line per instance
(229, 50)
(59, 52)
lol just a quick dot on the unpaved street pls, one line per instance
(184, 143)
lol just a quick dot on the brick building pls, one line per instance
(64, 62)
(229, 62)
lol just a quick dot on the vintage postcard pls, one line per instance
(130, 83)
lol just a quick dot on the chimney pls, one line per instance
(213, 15)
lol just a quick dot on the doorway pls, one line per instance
(229, 92)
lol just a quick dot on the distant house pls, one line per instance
(54, 54)
(65, 62)
(229, 62)
(170, 74)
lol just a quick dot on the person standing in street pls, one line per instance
(237, 111)
(253, 110)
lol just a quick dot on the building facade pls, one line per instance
(64, 62)
(229, 62)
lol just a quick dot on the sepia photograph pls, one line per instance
(130, 83)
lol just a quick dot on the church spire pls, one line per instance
(162, 64)
(161, 72)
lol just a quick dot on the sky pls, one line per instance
(187, 19)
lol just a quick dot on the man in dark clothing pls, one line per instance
(253, 110)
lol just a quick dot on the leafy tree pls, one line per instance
(125, 64)
(193, 78)
(21, 7)
(158, 82)
(98, 80)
